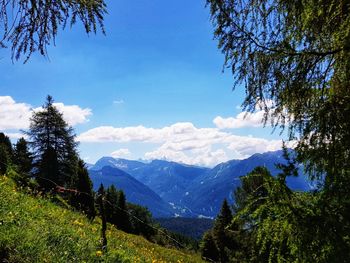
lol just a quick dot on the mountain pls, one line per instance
(122, 164)
(192, 227)
(168, 179)
(196, 191)
(208, 191)
(135, 191)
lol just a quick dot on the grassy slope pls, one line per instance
(36, 230)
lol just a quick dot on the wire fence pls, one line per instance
(62, 189)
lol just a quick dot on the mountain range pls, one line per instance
(171, 189)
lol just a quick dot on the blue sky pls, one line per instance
(150, 88)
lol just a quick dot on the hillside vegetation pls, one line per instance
(33, 229)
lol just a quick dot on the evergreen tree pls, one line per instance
(84, 199)
(5, 140)
(122, 215)
(54, 148)
(101, 201)
(6, 153)
(141, 213)
(221, 234)
(209, 249)
(111, 205)
(4, 159)
(23, 161)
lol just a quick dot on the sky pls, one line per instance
(153, 87)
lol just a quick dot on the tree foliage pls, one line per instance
(293, 57)
(112, 205)
(53, 146)
(123, 215)
(84, 199)
(209, 249)
(6, 153)
(28, 26)
(23, 160)
(141, 220)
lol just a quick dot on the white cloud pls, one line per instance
(16, 135)
(121, 153)
(73, 114)
(15, 115)
(178, 132)
(205, 157)
(243, 119)
(183, 142)
(248, 145)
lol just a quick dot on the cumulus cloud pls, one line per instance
(73, 114)
(15, 115)
(204, 157)
(245, 119)
(183, 142)
(121, 153)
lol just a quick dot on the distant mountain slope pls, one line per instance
(207, 192)
(196, 191)
(168, 179)
(135, 191)
(192, 227)
(122, 164)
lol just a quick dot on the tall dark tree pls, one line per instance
(5, 140)
(101, 201)
(53, 146)
(84, 199)
(6, 153)
(221, 233)
(4, 159)
(23, 160)
(209, 249)
(112, 205)
(122, 215)
(141, 225)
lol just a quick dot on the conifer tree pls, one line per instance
(101, 200)
(54, 148)
(221, 235)
(209, 249)
(4, 159)
(5, 140)
(84, 199)
(112, 205)
(22, 158)
(6, 153)
(123, 222)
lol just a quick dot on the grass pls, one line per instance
(33, 229)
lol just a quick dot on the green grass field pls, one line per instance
(33, 229)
